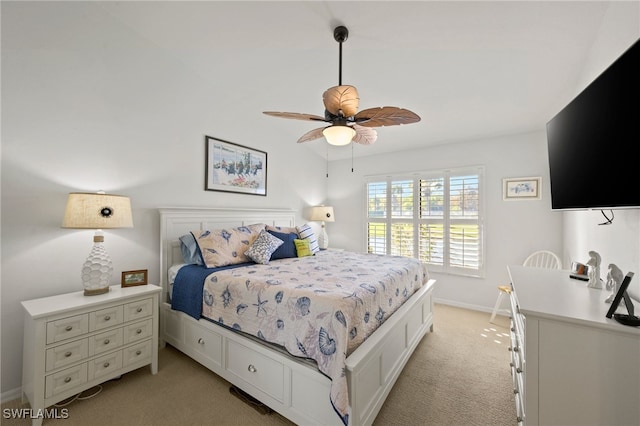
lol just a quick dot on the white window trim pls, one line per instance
(447, 220)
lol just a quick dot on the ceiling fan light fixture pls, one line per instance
(339, 135)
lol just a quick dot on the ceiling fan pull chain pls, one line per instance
(352, 158)
(327, 161)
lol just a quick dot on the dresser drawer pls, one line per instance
(105, 365)
(106, 341)
(65, 379)
(137, 353)
(66, 354)
(138, 331)
(104, 318)
(138, 309)
(256, 369)
(66, 328)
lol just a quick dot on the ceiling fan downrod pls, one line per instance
(340, 34)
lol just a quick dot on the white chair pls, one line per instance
(539, 259)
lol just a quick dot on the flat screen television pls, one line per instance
(590, 141)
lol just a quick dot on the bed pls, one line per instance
(265, 368)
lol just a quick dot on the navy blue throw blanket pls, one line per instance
(188, 287)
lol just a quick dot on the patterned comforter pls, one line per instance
(320, 307)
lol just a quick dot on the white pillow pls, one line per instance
(306, 233)
(263, 247)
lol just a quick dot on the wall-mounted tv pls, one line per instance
(591, 141)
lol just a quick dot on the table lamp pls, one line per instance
(97, 211)
(322, 214)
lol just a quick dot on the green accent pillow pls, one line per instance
(302, 247)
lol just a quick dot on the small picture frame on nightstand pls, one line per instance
(133, 278)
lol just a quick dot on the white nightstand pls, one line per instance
(73, 342)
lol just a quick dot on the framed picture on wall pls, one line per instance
(525, 188)
(230, 167)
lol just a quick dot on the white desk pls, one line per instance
(574, 366)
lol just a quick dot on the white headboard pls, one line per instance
(177, 221)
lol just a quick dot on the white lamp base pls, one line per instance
(97, 270)
(323, 239)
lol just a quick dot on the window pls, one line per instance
(433, 216)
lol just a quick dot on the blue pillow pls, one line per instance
(286, 250)
(190, 250)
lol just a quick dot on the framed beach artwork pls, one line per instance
(133, 278)
(524, 188)
(236, 168)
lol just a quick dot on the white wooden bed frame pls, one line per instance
(290, 386)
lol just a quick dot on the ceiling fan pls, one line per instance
(341, 110)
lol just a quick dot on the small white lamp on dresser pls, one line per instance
(97, 211)
(322, 214)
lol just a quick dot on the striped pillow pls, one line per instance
(306, 233)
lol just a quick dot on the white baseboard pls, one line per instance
(467, 306)
(10, 395)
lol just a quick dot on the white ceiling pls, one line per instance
(470, 69)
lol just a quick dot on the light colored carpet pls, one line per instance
(458, 375)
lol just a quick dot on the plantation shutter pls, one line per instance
(433, 216)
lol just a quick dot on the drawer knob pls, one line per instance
(105, 365)
(138, 352)
(518, 370)
(251, 368)
(68, 328)
(139, 310)
(516, 391)
(67, 354)
(516, 349)
(106, 341)
(201, 341)
(107, 318)
(67, 379)
(519, 419)
(138, 331)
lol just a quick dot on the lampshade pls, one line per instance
(97, 211)
(322, 213)
(339, 135)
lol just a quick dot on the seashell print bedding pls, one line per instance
(320, 307)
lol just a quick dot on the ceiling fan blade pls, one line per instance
(385, 116)
(341, 98)
(295, 116)
(312, 135)
(364, 135)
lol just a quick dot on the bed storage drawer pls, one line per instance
(203, 343)
(258, 370)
